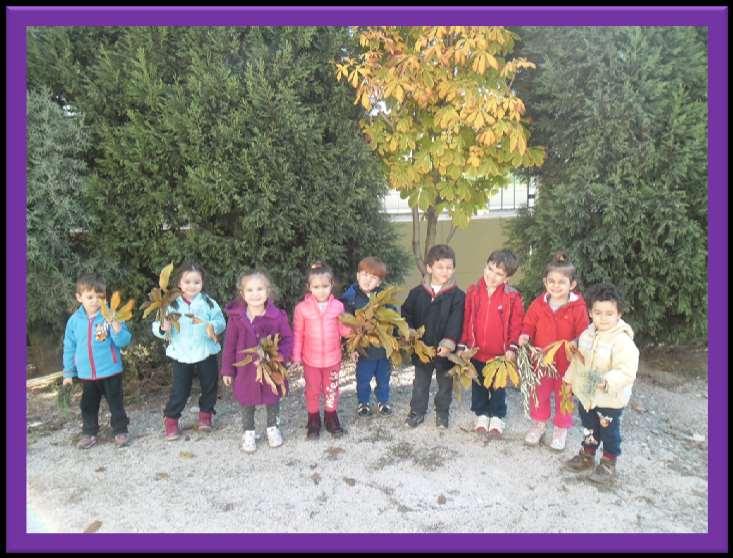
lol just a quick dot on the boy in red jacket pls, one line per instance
(492, 321)
(558, 313)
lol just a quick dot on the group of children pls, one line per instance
(488, 320)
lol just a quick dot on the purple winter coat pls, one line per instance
(242, 334)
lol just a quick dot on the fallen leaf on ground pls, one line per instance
(350, 482)
(442, 499)
(93, 527)
(100, 469)
(334, 452)
(316, 478)
(162, 476)
(185, 454)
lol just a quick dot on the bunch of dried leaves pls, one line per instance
(463, 371)
(498, 371)
(161, 297)
(532, 369)
(111, 313)
(270, 363)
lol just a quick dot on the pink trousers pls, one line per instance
(547, 388)
(321, 382)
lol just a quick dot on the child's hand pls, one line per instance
(116, 326)
(354, 356)
(227, 380)
(443, 351)
(165, 326)
(211, 333)
(603, 386)
(510, 356)
(523, 339)
(67, 381)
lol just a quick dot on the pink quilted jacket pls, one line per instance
(318, 334)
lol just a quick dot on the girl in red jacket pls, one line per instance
(317, 345)
(558, 313)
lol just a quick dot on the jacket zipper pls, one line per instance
(89, 348)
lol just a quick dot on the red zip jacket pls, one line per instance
(476, 330)
(545, 326)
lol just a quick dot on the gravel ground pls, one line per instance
(381, 477)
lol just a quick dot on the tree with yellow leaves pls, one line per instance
(442, 117)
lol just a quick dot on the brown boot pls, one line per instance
(314, 426)
(331, 421)
(605, 471)
(583, 461)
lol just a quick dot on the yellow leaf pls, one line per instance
(550, 350)
(149, 309)
(492, 62)
(108, 315)
(115, 302)
(165, 275)
(124, 314)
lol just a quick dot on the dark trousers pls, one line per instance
(365, 371)
(421, 390)
(490, 402)
(91, 396)
(208, 374)
(248, 415)
(601, 426)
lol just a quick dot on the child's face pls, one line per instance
(494, 275)
(254, 291)
(605, 315)
(320, 286)
(558, 285)
(441, 271)
(367, 282)
(91, 300)
(191, 284)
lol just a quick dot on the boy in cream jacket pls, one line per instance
(602, 381)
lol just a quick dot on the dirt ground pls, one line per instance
(382, 476)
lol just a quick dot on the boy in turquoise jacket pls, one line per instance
(92, 355)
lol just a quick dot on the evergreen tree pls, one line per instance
(622, 112)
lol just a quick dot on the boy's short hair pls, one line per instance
(604, 292)
(89, 282)
(373, 265)
(440, 252)
(504, 259)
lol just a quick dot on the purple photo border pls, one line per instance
(18, 18)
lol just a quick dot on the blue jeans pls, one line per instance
(490, 402)
(365, 371)
(595, 433)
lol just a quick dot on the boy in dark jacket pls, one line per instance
(369, 276)
(438, 305)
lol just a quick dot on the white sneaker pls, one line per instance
(482, 424)
(274, 437)
(535, 432)
(496, 427)
(249, 443)
(559, 435)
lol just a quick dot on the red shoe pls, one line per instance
(205, 421)
(172, 429)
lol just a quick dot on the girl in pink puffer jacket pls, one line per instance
(317, 333)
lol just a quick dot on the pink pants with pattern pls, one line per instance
(321, 381)
(547, 388)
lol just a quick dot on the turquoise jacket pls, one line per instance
(191, 344)
(92, 348)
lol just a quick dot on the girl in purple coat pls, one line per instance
(253, 316)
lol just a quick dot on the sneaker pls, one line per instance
(86, 441)
(441, 421)
(205, 421)
(583, 461)
(363, 410)
(496, 428)
(172, 428)
(482, 424)
(249, 442)
(535, 432)
(274, 437)
(121, 439)
(559, 435)
(384, 409)
(604, 472)
(413, 419)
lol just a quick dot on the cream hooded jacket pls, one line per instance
(611, 353)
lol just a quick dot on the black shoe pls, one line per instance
(331, 422)
(314, 426)
(413, 419)
(384, 409)
(441, 421)
(364, 410)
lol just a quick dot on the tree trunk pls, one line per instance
(416, 250)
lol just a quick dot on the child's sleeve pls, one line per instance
(216, 318)
(467, 332)
(298, 332)
(454, 324)
(516, 319)
(285, 348)
(69, 351)
(407, 310)
(123, 338)
(529, 323)
(229, 350)
(624, 364)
